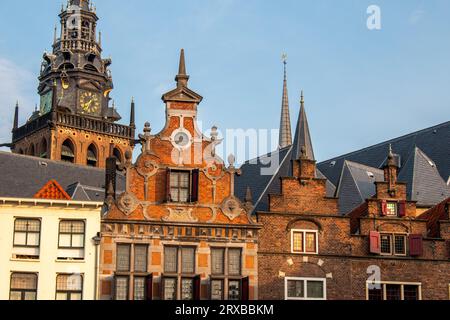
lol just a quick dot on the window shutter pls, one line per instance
(149, 287)
(402, 209)
(374, 240)
(415, 245)
(245, 289)
(197, 288)
(194, 185)
(168, 195)
(384, 208)
(448, 249)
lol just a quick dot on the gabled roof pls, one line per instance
(355, 215)
(52, 191)
(357, 184)
(22, 176)
(425, 185)
(434, 141)
(434, 216)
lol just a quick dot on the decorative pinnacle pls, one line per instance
(302, 98)
(182, 78)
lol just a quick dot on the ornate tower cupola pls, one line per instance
(76, 119)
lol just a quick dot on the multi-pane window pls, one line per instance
(179, 273)
(179, 186)
(27, 233)
(226, 269)
(132, 267)
(393, 244)
(71, 234)
(69, 287)
(391, 209)
(305, 289)
(394, 291)
(23, 286)
(304, 241)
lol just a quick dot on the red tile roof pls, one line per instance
(434, 215)
(52, 191)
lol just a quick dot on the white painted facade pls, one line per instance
(50, 260)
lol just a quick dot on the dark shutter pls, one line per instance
(374, 241)
(168, 195)
(194, 185)
(448, 249)
(384, 208)
(149, 287)
(402, 209)
(110, 174)
(415, 245)
(197, 288)
(245, 289)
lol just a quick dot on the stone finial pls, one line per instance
(146, 137)
(231, 160)
(214, 133)
(182, 78)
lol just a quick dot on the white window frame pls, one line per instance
(305, 288)
(392, 236)
(402, 285)
(316, 232)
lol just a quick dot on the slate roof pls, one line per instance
(434, 142)
(23, 176)
(357, 183)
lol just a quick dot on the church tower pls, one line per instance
(76, 121)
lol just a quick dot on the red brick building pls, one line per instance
(178, 232)
(379, 251)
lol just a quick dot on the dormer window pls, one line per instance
(182, 186)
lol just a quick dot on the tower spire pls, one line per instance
(302, 141)
(16, 117)
(182, 78)
(285, 122)
(132, 114)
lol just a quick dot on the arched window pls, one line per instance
(31, 150)
(118, 155)
(43, 149)
(92, 158)
(68, 151)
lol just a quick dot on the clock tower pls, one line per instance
(76, 121)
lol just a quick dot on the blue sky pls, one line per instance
(361, 86)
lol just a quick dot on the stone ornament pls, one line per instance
(127, 203)
(231, 207)
(180, 215)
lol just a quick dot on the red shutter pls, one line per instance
(384, 208)
(197, 288)
(149, 287)
(194, 185)
(402, 209)
(168, 195)
(415, 245)
(245, 289)
(374, 242)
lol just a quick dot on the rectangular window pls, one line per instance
(400, 245)
(216, 289)
(305, 289)
(23, 286)
(123, 257)
(71, 234)
(122, 288)
(179, 186)
(394, 291)
(188, 260)
(393, 244)
(386, 242)
(140, 258)
(234, 262)
(187, 289)
(27, 233)
(218, 261)
(139, 288)
(391, 209)
(170, 259)
(304, 241)
(170, 288)
(69, 287)
(234, 290)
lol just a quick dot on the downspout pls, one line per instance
(97, 239)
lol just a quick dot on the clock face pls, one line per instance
(90, 102)
(46, 102)
(181, 139)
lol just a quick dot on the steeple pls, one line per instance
(302, 141)
(132, 114)
(182, 78)
(285, 123)
(16, 117)
(83, 4)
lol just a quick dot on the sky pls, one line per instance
(361, 86)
